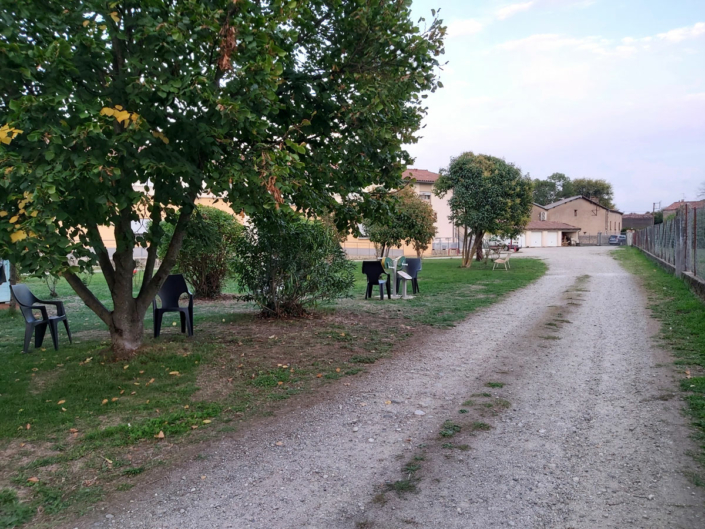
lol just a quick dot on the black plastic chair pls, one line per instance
(376, 275)
(28, 303)
(169, 294)
(413, 266)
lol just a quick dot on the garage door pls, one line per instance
(536, 239)
(552, 238)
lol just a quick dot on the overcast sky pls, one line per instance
(611, 89)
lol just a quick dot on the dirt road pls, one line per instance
(585, 432)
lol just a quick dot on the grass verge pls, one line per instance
(682, 317)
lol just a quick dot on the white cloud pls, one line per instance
(459, 28)
(695, 97)
(513, 9)
(681, 34)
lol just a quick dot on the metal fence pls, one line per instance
(679, 241)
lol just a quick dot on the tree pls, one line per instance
(409, 219)
(554, 188)
(489, 196)
(597, 190)
(208, 250)
(418, 220)
(287, 263)
(114, 112)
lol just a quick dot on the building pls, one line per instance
(637, 221)
(569, 221)
(670, 210)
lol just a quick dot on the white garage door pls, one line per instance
(552, 238)
(536, 239)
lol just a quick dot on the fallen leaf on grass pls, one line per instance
(141, 372)
(33, 480)
(114, 399)
(125, 367)
(687, 373)
(133, 393)
(122, 391)
(151, 380)
(337, 370)
(186, 407)
(280, 383)
(194, 426)
(105, 401)
(206, 421)
(73, 430)
(319, 375)
(63, 409)
(61, 401)
(28, 427)
(160, 435)
(174, 373)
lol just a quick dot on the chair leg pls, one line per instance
(415, 285)
(368, 290)
(39, 332)
(381, 291)
(389, 291)
(190, 322)
(54, 330)
(28, 331)
(183, 322)
(68, 330)
(157, 323)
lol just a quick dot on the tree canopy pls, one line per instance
(489, 196)
(410, 220)
(559, 186)
(113, 112)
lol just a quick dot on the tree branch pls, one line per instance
(150, 290)
(102, 253)
(155, 218)
(88, 297)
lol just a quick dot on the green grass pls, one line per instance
(449, 293)
(495, 384)
(73, 414)
(449, 429)
(682, 316)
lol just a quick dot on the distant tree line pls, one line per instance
(559, 186)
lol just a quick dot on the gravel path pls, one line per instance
(592, 434)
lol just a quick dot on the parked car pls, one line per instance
(614, 239)
(622, 240)
(513, 246)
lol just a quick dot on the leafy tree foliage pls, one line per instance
(113, 112)
(287, 263)
(554, 188)
(208, 250)
(410, 220)
(597, 190)
(489, 196)
(559, 186)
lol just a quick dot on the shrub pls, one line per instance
(208, 251)
(286, 263)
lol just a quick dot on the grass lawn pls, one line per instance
(75, 425)
(682, 316)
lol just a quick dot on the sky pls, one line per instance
(611, 89)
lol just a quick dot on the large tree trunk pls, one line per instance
(466, 248)
(126, 321)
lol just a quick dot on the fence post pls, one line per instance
(679, 256)
(695, 241)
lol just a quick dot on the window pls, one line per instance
(575, 212)
(425, 196)
(542, 215)
(363, 233)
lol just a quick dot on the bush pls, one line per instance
(287, 263)
(208, 251)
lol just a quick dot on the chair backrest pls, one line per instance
(25, 299)
(372, 269)
(23, 295)
(413, 265)
(171, 290)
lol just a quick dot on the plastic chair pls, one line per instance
(28, 303)
(169, 294)
(413, 267)
(374, 272)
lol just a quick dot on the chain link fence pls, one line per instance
(679, 241)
